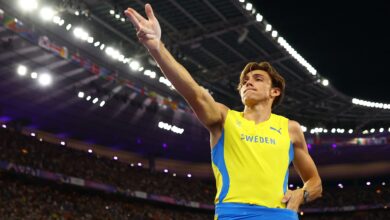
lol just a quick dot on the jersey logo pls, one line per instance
(277, 130)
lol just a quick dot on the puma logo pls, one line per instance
(277, 130)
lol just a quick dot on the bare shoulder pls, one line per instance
(295, 131)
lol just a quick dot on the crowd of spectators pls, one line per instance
(29, 198)
(30, 151)
(38, 200)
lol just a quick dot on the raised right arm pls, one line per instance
(209, 112)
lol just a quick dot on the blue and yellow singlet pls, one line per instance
(250, 163)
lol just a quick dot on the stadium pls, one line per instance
(92, 129)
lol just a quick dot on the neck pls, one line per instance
(257, 113)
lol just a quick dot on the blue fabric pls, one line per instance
(238, 211)
(290, 157)
(217, 155)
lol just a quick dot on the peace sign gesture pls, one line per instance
(148, 30)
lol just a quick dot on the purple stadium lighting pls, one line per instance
(115, 158)
(334, 145)
(139, 164)
(32, 134)
(165, 170)
(90, 151)
(63, 143)
(189, 175)
(309, 146)
(164, 145)
(4, 126)
(139, 141)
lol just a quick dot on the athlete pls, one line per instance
(251, 150)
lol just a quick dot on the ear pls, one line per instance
(275, 91)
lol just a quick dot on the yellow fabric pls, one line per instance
(257, 157)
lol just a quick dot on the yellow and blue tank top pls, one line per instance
(250, 161)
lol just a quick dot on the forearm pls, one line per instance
(175, 72)
(314, 187)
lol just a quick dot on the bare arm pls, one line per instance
(209, 112)
(305, 167)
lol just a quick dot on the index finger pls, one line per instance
(133, 19)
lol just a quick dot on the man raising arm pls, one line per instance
(251, 150)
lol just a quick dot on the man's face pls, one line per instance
(257, 87)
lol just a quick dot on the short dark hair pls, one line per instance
(277, 80)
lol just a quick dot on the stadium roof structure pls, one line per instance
(212, 39)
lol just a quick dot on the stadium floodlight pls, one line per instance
(102, 46)
(173, 174)
(117, 16)
(259, 17)
(90, 40)
(28, 5)
(95, 100)
(350, 131)
(248, 6)
(274, 34)
(134, 65)
(4, 125)
(123, 19)
(268, 27)
(165, 170)
(88, 98)
(90, 151)
(112, 12)
(381, 130)
(325, 82)
(68, 27)
(189, 175)
(22, 70)
(81, 94)
(102, 103)
(45, 79)
(47, 13)
(34, 75)
(63, 143)
(115, 158)
(96, 44)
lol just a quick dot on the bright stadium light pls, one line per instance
(34, 75)
(134, 65)
(325, 82)
(274, 34)
(47, 13)
(102, 103)
(88, 98)
(81, 94)
(95, 100)
(22, 70)
(28, 5)
(268, 27)
(112, 12)
(248, 6)
(68, 27)
(45, 79)
(259, 17)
